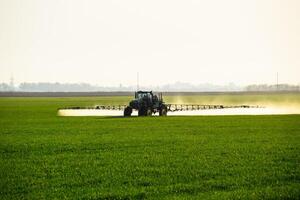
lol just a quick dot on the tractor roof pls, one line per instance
(144, 92)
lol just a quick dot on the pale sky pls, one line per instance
(108, 42)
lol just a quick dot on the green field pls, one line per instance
(44, 156)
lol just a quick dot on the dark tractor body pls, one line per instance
(146, 103)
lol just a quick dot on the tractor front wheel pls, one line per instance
(127, 111)
(163, 111)
(141, 112)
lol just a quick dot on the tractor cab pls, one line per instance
(148, 95)
(143, 95)
(142, 98)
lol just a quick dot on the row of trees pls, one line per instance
(279, 87)
(59, 87)
(84, 87)
(176, 87)
(4, 87)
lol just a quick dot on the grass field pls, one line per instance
(44, 156)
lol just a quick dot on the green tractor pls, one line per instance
(146, 103)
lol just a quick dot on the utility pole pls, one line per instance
(12, 84)
(277, 86)
(137, 82)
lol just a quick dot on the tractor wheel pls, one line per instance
(163, 111)
(149, 112)
(141, 112)
(127, 111)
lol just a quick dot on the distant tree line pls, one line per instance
(84, 87)
(59, 87)
(175, 87)
(279, 87)
(56, 87)
(4, 87)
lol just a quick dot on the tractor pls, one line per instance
(146, 103)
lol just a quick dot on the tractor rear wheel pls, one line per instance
(127, 111)
(163, 111)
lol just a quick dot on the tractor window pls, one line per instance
(141, 95)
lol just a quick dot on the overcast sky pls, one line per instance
(108, 42)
